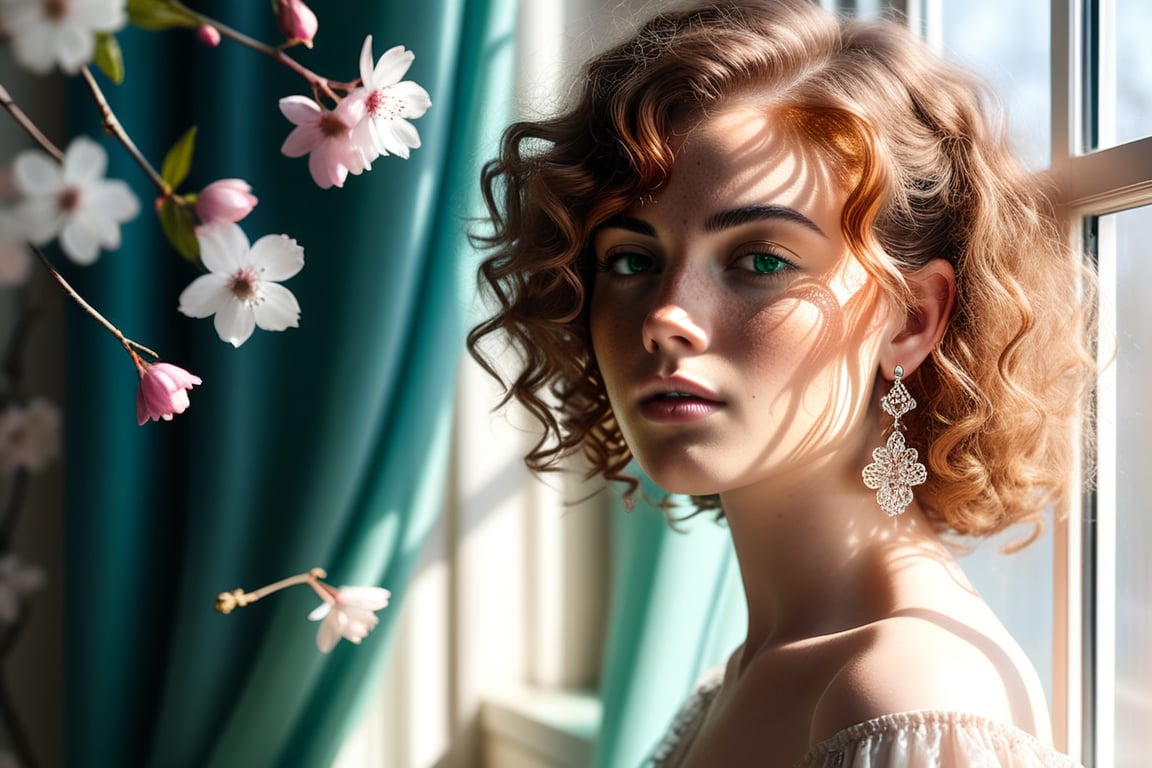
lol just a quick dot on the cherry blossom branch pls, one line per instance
(26, 123)
(317, 82)
(127, 343)
(226, 602)
(114, 129)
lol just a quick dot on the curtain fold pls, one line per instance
(324, 445)
(677, 611)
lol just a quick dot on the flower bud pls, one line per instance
(208, 35)
(297, 22)
(225, 200)
(163, 391)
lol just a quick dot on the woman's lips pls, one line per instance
(678, 408)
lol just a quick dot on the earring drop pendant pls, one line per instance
(894, 468)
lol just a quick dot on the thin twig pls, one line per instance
(127, 343)
(322, 84)
(29, 127)
(114, 129)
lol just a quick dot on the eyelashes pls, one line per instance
(760, 259)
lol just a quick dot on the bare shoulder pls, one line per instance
(924, 660)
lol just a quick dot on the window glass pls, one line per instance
(1127, 424)
(1007, 42)
(1133, 70)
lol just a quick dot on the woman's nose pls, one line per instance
(675, 325)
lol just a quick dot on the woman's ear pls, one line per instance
(934, 286)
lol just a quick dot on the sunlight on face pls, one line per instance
(737, 335)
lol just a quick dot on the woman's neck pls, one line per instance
(821, 557)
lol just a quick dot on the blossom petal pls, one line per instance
(329, 633)
(302, 140)
(352, 109)
(301, 110)
(370, 598)
(398, 137)
(415, 100)
(75, 46)
(234, 322)
(223, 246)
(115, 199)
(37, 174)
(85, 162)
(366, 62)
(392, 66)
(205, 295)
(278, 311)
(34, 48)
(277, 256)
(80, 238)
(319, 612)
(103, 229)
(326, 167)
(104, 17)
(40, 219)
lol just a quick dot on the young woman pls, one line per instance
(788, 263)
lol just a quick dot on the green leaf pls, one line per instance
(160, 14)
(179, 227)
(178, 161)
(109, 58)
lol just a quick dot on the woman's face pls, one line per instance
(737, 336)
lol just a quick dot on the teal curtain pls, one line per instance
(677, 611)
(321, 446)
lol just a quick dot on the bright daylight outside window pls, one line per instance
(1117, 116)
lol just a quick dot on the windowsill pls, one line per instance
(534, 728)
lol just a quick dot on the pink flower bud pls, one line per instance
(163, 391)
(225, 200)
(208, 35)
(297, 22)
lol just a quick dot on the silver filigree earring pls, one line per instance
(894, 468)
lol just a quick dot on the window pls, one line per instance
(1105, 168)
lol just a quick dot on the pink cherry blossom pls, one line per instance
(327, 137)
(163, 391)
(225, 200)
(297, 22)
(389, 103)
(29, 435)
(348, 612)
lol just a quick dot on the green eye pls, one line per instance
(768, 263)
(631, 263)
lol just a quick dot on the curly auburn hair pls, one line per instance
(929, 174)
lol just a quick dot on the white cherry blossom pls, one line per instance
(47, 33)
(242, 285)
(389, 103)
(72, 200)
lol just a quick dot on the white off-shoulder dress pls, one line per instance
(904, 740)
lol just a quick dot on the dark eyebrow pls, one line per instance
(639, 226)
(751, 213)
